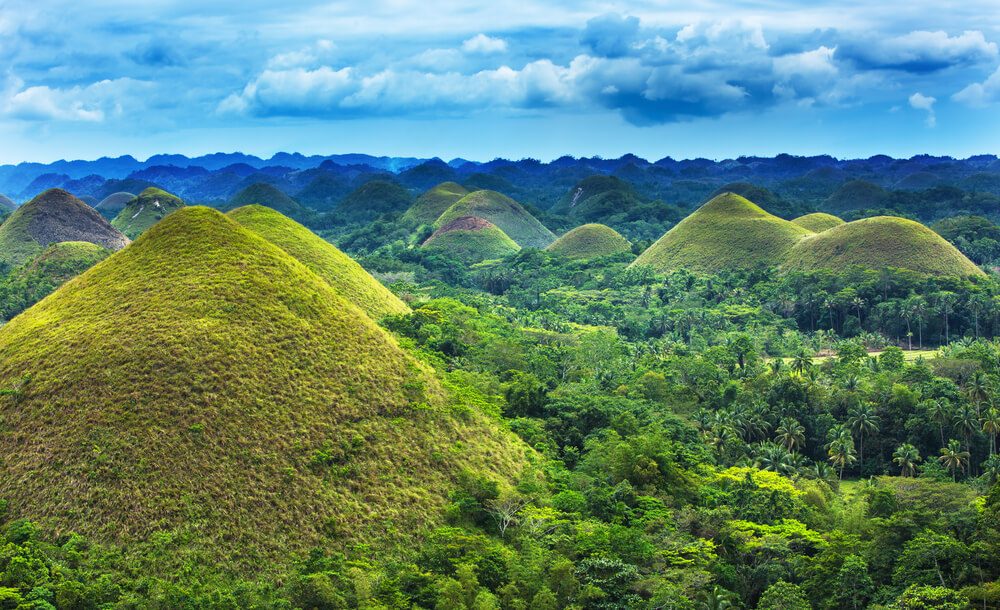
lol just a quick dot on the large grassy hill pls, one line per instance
(221, 398)
(818, 222)
(267, 195)
(882, 241)
(508, 215)
(345, 276)
(472, 239)
(590, 240)
(52, 217)
(145, 210)
(433, 203)
(727, 232)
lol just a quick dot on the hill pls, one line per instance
(6, 204)
(727, 232)
(64, 260)
(817, 222)
(145, 210)
(112, 205)
(345, 276)
(472, 239)
(51, 217)
(267, 195)
(857, 194)
(222, 396)
(597, 198)
(508, 215)
(369, 200)
(433, 203)
(323, 192)
(881, 241)
(590, 240)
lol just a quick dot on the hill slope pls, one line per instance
(113, 204)
(345, 276)
(590, 240)
(52, 217)
(597, 198)
(472, 239)
(369, 200)
(726, 232)
(145, 210)
(505, 213)
(221, 393)
(267, 195)
(817, 222)
(433, 203)
(881, 241)
(6, 204)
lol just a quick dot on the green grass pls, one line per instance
(818, 222)
(345, 276)
(64, 260)
(473, 240)
(204, 387)
(882, 241)
(597, 197)
(588, 241)
(433, 203)
(267, 195)
(727, 232)
(145, 210)
(508, 215)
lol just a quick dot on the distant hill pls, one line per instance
(145, 210)
(345, 276)
(728, 232)
(590, 240)
(65, 260)
(369, 200)
(597, 198)
(882, 241)
(817, 222)
(6, 203)
(113, 204)
(472, 239)
(857, 194)
(323, 192)
(433, 203)
(508, 215)
(91, 201)
(53, 216)
(220, 393)
(267, 195)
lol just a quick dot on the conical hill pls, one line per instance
(433, 203)
(881, 241)
(64, 260)
(114, 203)
(6, 204)
(818, 222)
(590, 240)
(267, 195)
(145, 210)
(472, 239)
(508, 215)
(218, 392)
(345, 276)
(727, 232)
(51, 217)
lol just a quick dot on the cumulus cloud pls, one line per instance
(484, 45)
(926, 103)
(980, 95)
(920, 51)
(93, 103)
(610, 35)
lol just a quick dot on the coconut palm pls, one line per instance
(790, 434)
(920, 307)
(991, 426)
(978, 389)
(953, 458)
(906, 457)
(939, 411)
(715, 598)
(991, 469)
(967, 422)
(802, 362)
(841, 453)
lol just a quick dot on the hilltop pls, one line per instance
(727, 232)
(882, 241)
(267, 195)
(113, 204)
(369, 200)
(508, 215)
(590, 240)
(145, 210)
(817, 222)
(857, 194)
(346, 277)
(433, 203)
(221, 395)
(52, 217)
(598, 197)
(472, 239)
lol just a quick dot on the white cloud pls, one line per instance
(981, 95)
(923, 102)
(482, 44)
(93, 103)
(922, 51)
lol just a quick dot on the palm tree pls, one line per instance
(858, 302)
(967, 422)
(790, 434)
(991, 468)
(953, 458)
(777, 365)
(770, 456)
(939, 411)
(841, 453)
(907, 312)
(977, 388)
(906, 457)
(919, 305)
(863, 420)
(802, 362)
(946, 307)
(991, 425)
(715, 598)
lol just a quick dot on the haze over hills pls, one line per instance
(472, 240)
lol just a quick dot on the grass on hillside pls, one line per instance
(473, 246)
(881, 241)
(817, 222)
(145, 210)
(345, 276)
(433, 203)
(61, 261)
(205, 393)
(267, 195)
(508, 215)
(588, 241)
(727, 232)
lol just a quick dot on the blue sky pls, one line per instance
(478, 80)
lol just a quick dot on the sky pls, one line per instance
(485, 79)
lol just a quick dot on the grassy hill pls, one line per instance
(433, 203)
(65, 260)
(588, 241)
(51, 217)
(267, 195)
(369, 200)
(145, 210)
(221, 398)
(817, 222)
(505, 213)
(857, 194)
(597, 198)
(727, 232)
(472, 239)
(112, 205)
(346, 277)
(882, 241)
(6, 204)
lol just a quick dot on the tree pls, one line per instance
(967, 422)
(863, 420)
(920, 307)
(906, 457)
(922, 597)
(991, 426)
(790, 434)
(841, 452)
(783, 596)
(978, 389)
(946, 307)
(505, 511)
(953, 458)
(715, 598)
(939, 411)
(854, 585)
(801, 362)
